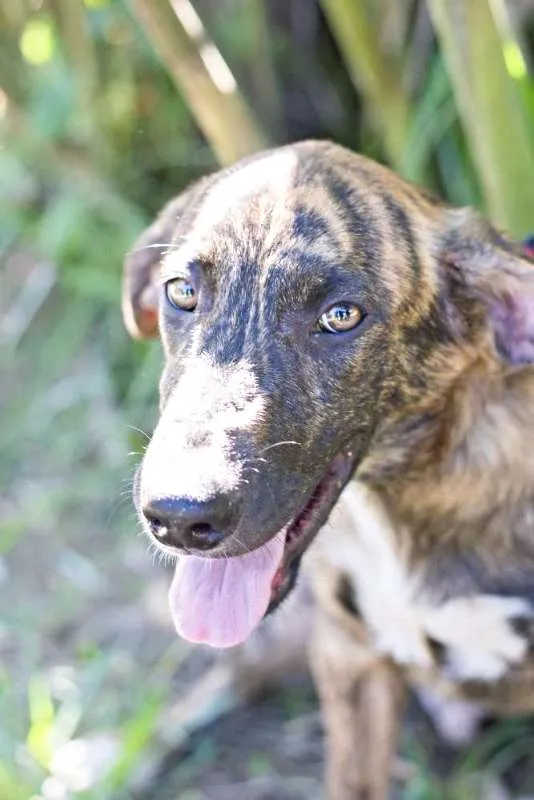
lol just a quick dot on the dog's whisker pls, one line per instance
(115, 507)
(139, 430)
(280, 444)
(158, 246)
(255, 460)
(160, 556)
(245, 547)
(265, 481)
(253, 469)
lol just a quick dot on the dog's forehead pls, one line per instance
(272, 177)
(300, 210)
(263, 208)
(248, 193)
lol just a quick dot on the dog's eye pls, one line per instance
(181, 294)
(340, 317)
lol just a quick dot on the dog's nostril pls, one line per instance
(157, 527)
(205, 536)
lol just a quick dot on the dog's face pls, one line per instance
(298, 297)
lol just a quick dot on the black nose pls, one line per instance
(191, 524)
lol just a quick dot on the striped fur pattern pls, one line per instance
(433, 394)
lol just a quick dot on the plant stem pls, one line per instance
(491, 109)
(202, 75)
(375, 75)
(81, 55)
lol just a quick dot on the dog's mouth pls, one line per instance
(301, 531)
(219, 601)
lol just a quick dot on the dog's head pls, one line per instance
(299, 296)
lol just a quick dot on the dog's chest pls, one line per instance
(478, 635)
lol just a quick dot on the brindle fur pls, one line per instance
(435, 396)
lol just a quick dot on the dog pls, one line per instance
(340, 343)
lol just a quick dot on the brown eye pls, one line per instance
(181, 294)
(340, 317)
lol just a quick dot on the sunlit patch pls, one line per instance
(215, 64)
(218, 69)
(513, 58)
(37, 43)
(83, 763)
(189, 18)
(42, 719)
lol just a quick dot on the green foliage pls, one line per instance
(491, 85)
(100, 123)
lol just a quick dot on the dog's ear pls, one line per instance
(139, 283)
(496, 272)
(139, 291)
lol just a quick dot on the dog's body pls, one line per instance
(327, 325)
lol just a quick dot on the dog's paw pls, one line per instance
(480, 635)
(397, 634)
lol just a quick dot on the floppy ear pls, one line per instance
(139, 293)
(497, 272)
(139, 284)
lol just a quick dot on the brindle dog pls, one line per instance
(332, 332)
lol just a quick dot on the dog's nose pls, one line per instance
(190, 524)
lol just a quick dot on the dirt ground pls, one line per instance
(269, 751)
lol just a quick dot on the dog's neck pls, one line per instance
(457, 473)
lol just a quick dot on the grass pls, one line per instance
(74, 631)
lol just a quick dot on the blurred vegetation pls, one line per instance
(107, 109)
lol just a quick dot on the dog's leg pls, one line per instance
(362, 696)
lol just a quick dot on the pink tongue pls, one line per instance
(219, 601)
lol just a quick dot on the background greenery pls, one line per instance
(108, 108)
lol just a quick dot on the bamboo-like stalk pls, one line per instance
(491, 109)
(72, 23)
(259, 58)
(13, 76)
(80, 51)
(202, 75)
(375, 75)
